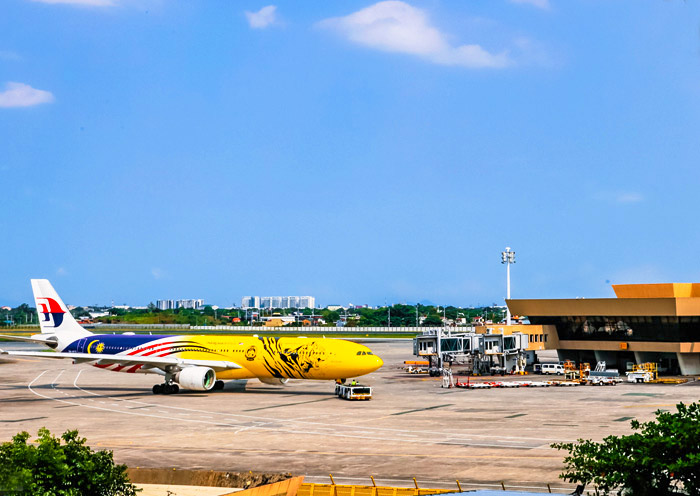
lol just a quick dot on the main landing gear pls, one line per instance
(166, 388)
(173, 388)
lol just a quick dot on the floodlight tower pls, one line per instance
(507, 257)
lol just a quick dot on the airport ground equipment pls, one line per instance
(353, 392)
(644, 372)
(573, 373)
(447, 379)
(602, 376)
(478, 354)
(648, 373)
(504, 384)
(416, 366)
(416, 370)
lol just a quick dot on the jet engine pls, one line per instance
(275, 381)
(196, 378)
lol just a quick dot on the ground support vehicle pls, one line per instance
(551, 368)
(603, 376)
(353, 391)
(644, 372)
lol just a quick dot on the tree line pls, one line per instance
(398, 315)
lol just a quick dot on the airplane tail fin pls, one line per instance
(54, 316)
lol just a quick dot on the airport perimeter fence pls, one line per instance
(136, 326)
(245, 329)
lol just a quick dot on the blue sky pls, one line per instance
(354, 151)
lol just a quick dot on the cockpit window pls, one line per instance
(364, 352)
(360, 352)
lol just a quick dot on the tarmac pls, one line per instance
(411, 428)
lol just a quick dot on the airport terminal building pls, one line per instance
(645, 323)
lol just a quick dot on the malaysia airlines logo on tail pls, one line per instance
(51, 310)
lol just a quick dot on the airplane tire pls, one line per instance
(169, 388)
(218, 385)
(158, 389)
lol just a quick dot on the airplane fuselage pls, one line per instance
(259, 356)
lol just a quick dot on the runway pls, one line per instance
(411, 428)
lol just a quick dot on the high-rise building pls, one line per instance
(190, 304)
(165, 304)
(250, 302)
(278, 302)
(174, 304)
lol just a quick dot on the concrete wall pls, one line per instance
(689, 363)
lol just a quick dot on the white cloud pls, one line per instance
(88, 3)
(262, 18)
(628, 197)
(23, 95)
(61, 271)
(540, 4)
(621, 197)
(157, 273)
(395, 26)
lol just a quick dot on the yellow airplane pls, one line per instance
(199, 362)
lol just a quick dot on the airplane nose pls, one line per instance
(378, 362)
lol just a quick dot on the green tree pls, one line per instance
(55, 468)
(330, 316)
(432, 320)
(661, 458)
(117, 312)
(403, 315)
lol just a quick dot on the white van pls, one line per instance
(552, 368)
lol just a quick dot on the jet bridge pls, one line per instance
(477, 353)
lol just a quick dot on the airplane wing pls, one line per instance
(128, 359)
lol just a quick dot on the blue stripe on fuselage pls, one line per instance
(116, 342)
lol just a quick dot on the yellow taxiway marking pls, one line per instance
(341, 453)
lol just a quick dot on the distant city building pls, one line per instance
(165, 304)
(191, 304)
(250, 302)
(278, 302)
(175, 304)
